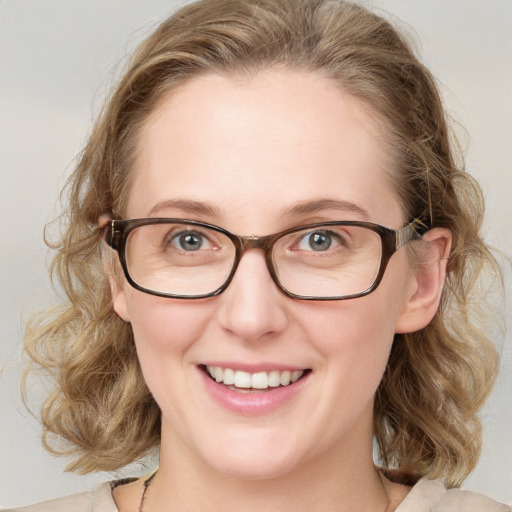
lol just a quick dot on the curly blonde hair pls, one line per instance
(425, 416)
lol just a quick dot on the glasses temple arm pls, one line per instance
(414, 230)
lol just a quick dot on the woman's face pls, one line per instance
(257, 156)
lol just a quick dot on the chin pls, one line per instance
(251, 455)
(256, 468)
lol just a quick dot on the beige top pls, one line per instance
(425, 496)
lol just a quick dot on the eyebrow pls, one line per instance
(318, 205)
(300, 208)
(187, 206)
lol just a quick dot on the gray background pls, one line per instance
(57, 58)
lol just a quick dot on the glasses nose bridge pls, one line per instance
(250, 242)
(263, 243)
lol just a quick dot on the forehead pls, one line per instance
(255, 147)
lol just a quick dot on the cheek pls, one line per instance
(354, 337)
(163, 329)
(353, 326)
(352, 341)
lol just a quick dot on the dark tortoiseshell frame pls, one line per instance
(116, 233)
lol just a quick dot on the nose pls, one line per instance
(252, 307)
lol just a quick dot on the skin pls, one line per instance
(251, 150)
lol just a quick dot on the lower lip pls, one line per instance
(254, 402)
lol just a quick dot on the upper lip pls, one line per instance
(254, 367)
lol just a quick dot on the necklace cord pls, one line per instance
(148, 481)
(146, 485)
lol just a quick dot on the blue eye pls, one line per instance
(189, 241)
(316, 241)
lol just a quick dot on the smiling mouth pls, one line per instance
(241, 381)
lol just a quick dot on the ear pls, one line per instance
(117, 290)
(427, 281)
(114, 275)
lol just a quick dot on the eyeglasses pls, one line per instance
(188, 259)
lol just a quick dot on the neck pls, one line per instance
(334, 481)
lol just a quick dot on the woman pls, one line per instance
(297, 283)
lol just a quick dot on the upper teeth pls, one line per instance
(260, 380)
